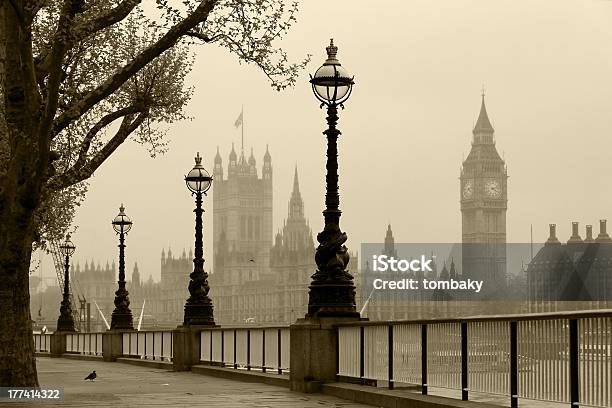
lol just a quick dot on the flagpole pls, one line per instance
(242, 127)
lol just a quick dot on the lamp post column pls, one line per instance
(66, 320)
(122, 315)
(332, 292)
(199, 307)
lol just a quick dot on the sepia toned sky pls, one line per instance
(419, 68)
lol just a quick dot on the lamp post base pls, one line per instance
(65, 324)
(199, 315)
(332, 299)
(122, 321)
(65, 321)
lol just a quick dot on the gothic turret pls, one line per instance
(136, 275)
(252, 158)
(444, 275)
(483, 124)
(452, 273)
(267, 165)
(296, 205)
(390, 243)
(232, 167)
(252, 163)
(218, 168)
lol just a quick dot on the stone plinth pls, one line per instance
(186, 346)
(314, 343)
(57, 345)
(112, 344)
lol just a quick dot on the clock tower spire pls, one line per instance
(484, 201)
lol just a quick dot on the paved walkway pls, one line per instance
(126, 385)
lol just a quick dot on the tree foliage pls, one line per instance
(100, 99)
(77, 79)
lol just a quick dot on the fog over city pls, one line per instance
(420, 67)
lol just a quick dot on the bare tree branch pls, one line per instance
(102, 123)
(120, 77)
(204, 37)
(76, 175)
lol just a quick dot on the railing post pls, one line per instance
(513, 365)
(211, 346)
(248, 349)
(263, 350)
(362, 354)
(424, 359)
(222, 348)
(337, 353)
(280, 370)
(235, 362)
(390, 355)
(464, 361)
(573, 357)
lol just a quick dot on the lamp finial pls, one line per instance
(332, 50)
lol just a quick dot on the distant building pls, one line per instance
(292, 260)
(575, 275)
(98, 286)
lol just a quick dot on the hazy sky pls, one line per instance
(419, 67)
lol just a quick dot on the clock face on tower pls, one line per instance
(493, 189)
(468, 189)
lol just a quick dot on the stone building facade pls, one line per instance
(576, 275)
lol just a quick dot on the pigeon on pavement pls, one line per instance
(91, 376)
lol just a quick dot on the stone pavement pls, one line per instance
(126, 385)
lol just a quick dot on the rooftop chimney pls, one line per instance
(589, 234)
(552, 239)
(603, 235)
(575, 238)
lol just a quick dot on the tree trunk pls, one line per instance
(18, 367)
(20, 192)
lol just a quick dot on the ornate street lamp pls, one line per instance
(122, 315)
(332, 292)
(65, 322)
(199, 307)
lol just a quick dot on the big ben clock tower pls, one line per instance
(484, 201)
